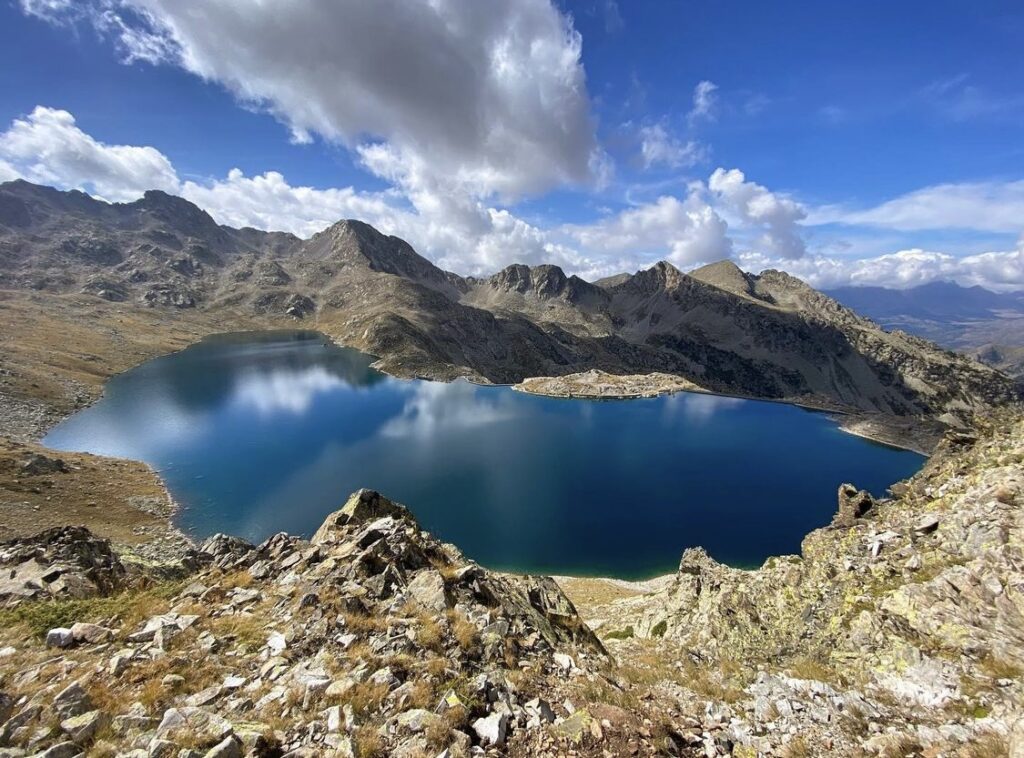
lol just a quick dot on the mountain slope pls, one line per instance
(767, 336)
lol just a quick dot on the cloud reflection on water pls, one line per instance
(290, 390)
(433, 407)
(697, 408)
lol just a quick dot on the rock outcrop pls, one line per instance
(373, 638)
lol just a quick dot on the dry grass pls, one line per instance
(364, 624)
(812, 668)
(368, 742)
(987, 745)
(466, 634)
(365, 698)
(900, 746)
(430, 635)
(249, 630)
(722, 680)
(798, 747)
(999, 668)
(236, 580)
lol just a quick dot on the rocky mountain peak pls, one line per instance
(178, 213)
(543, 281)
(727, 276)
(659, 277)
(357, 242)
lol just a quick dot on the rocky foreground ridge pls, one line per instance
(899, 631)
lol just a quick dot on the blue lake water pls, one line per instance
(265, 432)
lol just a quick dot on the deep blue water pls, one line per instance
(267, 432)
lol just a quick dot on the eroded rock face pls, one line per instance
(853, 504)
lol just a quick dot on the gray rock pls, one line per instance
(492, 729)
(73, 700)
(61, 750)
(60, 637)
(83, 728)
(226, 748)
(91, 633)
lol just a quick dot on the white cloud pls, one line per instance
(777, 215)
(688, 231)
(48, 10)
(435, 406)
(1000, 271)
(705, 102)
(48, 147)
(613, 22)
(284, 390)
(488, 99)
(269, 202)
(8, 172)
(468, 236)
(982, 206)
(657, 146)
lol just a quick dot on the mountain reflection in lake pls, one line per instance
(265, 432)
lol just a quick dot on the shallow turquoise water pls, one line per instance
(267, 432)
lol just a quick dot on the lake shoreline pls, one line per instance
(663, 384)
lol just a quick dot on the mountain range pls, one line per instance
(765, 336)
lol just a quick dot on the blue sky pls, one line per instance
(866, 143)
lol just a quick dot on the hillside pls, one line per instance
(767, 336)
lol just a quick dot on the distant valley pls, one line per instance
(972, 320)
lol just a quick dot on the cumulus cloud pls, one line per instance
(491, 98)
(983, 206)
(466, 235)
(705, 102)
(778, 216)
(48, 147)
(658, 147)
(1000, 271)
(269, 202)
(689, 230)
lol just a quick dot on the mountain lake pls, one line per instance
(263, 432)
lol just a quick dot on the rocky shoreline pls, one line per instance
(600, 385)
(918, 435)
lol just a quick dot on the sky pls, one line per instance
(863, 143)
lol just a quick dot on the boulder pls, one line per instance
(226, 748)
(60, 637)
(427, 589)
(83, 728)
(91, 633)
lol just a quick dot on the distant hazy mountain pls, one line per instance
(974, 320)
(769, 336)
(937, 301)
